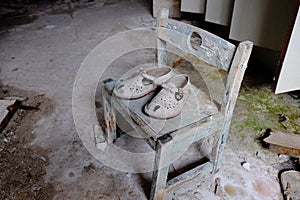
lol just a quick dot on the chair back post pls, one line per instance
(233, 84)
(235, 77)
(161, 44)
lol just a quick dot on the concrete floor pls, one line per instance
(45, 55)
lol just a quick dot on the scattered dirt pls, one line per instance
(21, 12)
(22, 166)
(233, 191)
(265, 188)
(15, 8)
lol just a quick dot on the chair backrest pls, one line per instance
(198, 42)
(206, 47)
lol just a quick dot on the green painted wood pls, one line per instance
(108, 85)
(161, 44)
(235, 77)
(189, 175)
(143, 130)
(161, 169)
(183, 138)
(213, 50)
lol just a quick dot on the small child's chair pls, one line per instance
(194, 124)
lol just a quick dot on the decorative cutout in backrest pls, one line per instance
(195, 41)
(200, 43)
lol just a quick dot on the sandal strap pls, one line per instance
(171, 87)
(147, 76)
(155, 80)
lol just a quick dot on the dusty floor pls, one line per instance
(42, 156)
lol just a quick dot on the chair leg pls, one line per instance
(161, 169)
(220, 142)
(109, 117)
(215, 157)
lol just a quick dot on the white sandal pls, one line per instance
(169, 101)
(142, 83)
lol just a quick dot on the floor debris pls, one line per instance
(100, 140)
(246, 165)
(290, 184)
(263, 136)
(23, 165)
(295, 94)
(282, 118)
(218, 188)
(5, 106)
(283, 158)
(89, 168)
(284, 143)
(8, 107)
(7, 110)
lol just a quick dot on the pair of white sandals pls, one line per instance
(168, 102)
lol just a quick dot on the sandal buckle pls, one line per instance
(179, 94)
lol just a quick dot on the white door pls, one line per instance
(289, 77)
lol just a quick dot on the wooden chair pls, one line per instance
(194, 124)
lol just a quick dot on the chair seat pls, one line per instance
(198, 107)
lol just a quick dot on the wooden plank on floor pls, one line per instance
(287, 143)
(290, 140)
